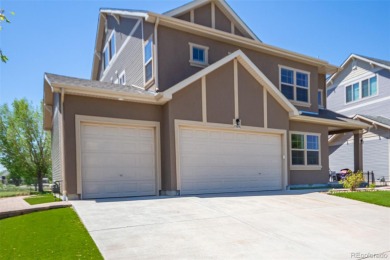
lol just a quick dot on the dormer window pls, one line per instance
(199, 55)
(294, 84)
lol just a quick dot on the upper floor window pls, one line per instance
(109, 50)
(362, 89)
(294, 84)
(305, 149)
(320, 98)
(148, 59)
(122, 78)
(199, 55)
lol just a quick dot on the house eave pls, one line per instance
(329, 82)
(323, 66)
(342, 124)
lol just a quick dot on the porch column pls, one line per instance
(358, 150)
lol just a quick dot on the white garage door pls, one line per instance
(117, 161)
(222, 161)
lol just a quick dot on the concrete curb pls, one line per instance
(13, 213)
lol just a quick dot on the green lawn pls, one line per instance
(40, 199)
(381, 198)
(52, 234)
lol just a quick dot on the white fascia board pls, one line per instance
(237, 19)
(262, 79)
(354, 56)
(179, 86)
(249, 66)
(240, 41)
(125, 13)
(221, 4)
(187, 7)
(371, 121)
(103, 93)
(344, 124)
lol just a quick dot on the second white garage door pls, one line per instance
(229, 161)
(117, 161)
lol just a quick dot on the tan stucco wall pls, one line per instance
(185, 105)
(250, 99)
(220, 95)
(77, 105)
(221, 21)
(175, 55)
(322, 85)
(312, 176)
(202, 15)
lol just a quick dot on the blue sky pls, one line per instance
(59, 36)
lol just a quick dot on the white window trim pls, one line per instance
(361, 98)
(146, 82)
(306, 167)
(322, 98)
(206, 54)
(123, 73)
(295, 86)
(107, 45)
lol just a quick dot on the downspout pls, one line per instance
(64, 193)
(156, 54)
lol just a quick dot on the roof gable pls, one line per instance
(373, 62)
(223, 7)
(249, 66)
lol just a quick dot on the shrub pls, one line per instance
(372, 186)
(353, 180)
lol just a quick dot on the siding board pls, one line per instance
(56, 142)
(130, 60)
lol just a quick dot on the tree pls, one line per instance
(24, 145)
(3, 18)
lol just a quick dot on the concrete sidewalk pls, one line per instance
(15, 206)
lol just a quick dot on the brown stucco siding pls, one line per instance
(185, 105)
(322, 85)
(185, 17)
(221, 21)
(220, 95)
(278, 117)
(250, 99)
(238, 32)
(77, 105)
(202, 15)
(175, 55)
(311, 176)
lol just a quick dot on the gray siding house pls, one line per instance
(189, 102)
(361, 90)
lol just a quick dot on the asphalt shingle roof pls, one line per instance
(384, 62)
(93, 84)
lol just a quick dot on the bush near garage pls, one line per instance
(353, 180)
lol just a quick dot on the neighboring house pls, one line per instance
(361, 90)
(189, 102)
(3, 176)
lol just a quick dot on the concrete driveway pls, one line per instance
(266, 225)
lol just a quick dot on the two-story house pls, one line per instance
(361, 90)
(189, 102)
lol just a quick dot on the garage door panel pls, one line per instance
(117, 161)
(213, 161)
